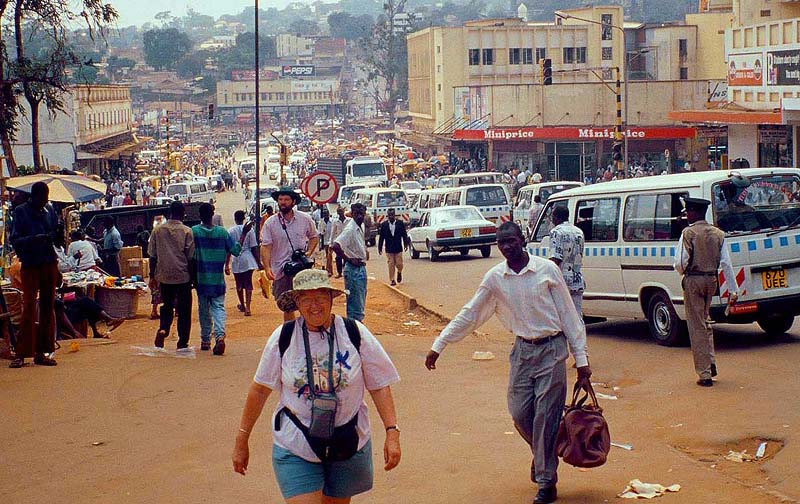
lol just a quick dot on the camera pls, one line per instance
(298, 263)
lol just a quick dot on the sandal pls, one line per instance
(247, 313)
(241, 308)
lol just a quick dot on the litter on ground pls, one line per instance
(638, 490)
(153, 351)
(623, 446)
(607, 397)
(762, 450)
(482, 356)
(741, 456)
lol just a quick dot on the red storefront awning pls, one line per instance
(575, 133)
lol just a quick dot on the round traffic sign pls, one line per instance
(320, 187)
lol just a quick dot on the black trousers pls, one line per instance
(339, 265)
(111, 264)
(177, 300)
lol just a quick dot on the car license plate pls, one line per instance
(774, 279)
(466, 233)
(492, 219)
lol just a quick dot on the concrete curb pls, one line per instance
(413, 304)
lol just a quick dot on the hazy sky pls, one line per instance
(139, 12)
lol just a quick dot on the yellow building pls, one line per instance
(762, 58)
(479, 86)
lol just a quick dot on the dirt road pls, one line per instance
(108, 426)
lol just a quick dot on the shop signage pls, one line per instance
(326, 86)
(783, 68)
(745, 69)
(297, 70)
(773, 135)
(712, 132)
(573, 133)
(250, 75)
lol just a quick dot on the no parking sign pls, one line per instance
(321, 187)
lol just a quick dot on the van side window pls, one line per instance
(484, 196)
(544, 221)
(452, 198)
(598, 219)
(650, 217)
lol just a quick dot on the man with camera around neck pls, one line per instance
(288, 241)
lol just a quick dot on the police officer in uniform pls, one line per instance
(702, 252)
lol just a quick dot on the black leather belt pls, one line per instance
(540, 341)
(701, 273)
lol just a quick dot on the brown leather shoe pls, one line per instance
(161, 335)
(546, 495)
(219, 348)
(43, 360)
(705, 382)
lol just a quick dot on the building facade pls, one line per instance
(479, 86)
(92, 134)
(293, 97)
(759, 125)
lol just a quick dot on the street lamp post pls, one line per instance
(257, 198)
(626, 73)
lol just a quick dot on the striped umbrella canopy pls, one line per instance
(63, 188)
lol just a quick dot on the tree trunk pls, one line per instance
(8, 102)
(37, 157)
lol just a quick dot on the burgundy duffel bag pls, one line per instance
(583, 439)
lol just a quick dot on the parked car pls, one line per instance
(450, 229)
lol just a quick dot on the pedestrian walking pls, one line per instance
(112, 244)
(212, 247)
(336, 229)
(528, 294)
(285, 239)
(324, 228)
(352, 248)
(566, 250)
(319, 360)
(393, 234)
(171, 250)
(248, 261)
(533, 213)
(32, 236)
(142, 239)
(702, 253)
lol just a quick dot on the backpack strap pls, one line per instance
(286, 336)
(353, 333)
(288, 330)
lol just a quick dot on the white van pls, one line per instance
(192, 191)
(346, 191)
(493, 200)
(379, 200)
(632, 227)
(465, 179)
(427, 199)
(366, 169)
(525, 196)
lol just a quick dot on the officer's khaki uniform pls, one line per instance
(703, 244)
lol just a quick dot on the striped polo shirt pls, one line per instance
(211, 248)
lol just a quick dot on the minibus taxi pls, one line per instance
(427, 199)
(493, 200)
(378, 201)
(525, 196)
(631, 229)
(465, 179)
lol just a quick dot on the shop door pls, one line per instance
(569, 167)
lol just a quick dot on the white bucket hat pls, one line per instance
(307, 280)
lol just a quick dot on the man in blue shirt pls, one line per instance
(112, 244)
(34, 227)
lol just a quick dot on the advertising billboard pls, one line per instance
(746, 69)
(783, 68)
(297, 70)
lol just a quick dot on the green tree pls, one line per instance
(304, 27)
(164, 47)
(345, 25)
(189, 66)
(386, 60)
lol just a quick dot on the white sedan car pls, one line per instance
(452, 228)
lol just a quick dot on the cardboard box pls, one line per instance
(126, 254)
(139, 267)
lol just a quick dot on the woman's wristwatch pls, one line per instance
(394, 428)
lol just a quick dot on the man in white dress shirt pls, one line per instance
(528, 294)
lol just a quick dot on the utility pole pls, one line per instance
(257, 198)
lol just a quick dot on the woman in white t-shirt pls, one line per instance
(344, 364)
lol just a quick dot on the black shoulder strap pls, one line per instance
(288, 330)
(353, 333)
(286, 336)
